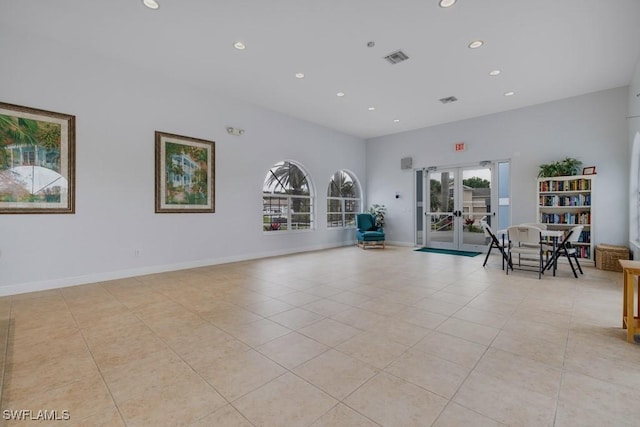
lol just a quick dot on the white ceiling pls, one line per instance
(546, 50)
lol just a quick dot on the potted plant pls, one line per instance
(548, 170)
(378, 211)
(567, 166)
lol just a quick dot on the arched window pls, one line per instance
(343, 200)
(286, 198)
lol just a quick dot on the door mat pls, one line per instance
(448, 252)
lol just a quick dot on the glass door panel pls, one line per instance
(420, 216)
(441, 222)
(504, 201)
(455, 201)
(476, 192)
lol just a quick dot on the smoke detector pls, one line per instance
(235, 131)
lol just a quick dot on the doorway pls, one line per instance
(450, 203)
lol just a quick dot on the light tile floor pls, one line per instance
(342, 337)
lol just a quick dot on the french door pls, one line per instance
(452, 202)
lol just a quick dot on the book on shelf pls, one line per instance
(585, 237)
(583, 251)
(565, 185)
(565, 202)
(566, 218)
(561, 201)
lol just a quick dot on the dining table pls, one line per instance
(552, 235)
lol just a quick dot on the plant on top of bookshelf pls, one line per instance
(567, 166)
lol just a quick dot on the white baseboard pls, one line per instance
(65, 282)
(396, 243)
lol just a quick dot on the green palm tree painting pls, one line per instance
(28, 142)
(186, 174)
(18, 131)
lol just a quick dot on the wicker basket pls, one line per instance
(607, 257)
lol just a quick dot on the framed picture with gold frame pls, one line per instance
(185, 174)
(37, 161)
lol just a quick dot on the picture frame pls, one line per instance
(184, 174)
(37, 161)
(590, 170)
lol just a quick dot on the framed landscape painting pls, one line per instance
(185, 174)
(37, 161)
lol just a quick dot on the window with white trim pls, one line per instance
(343, 200)
(287, 202)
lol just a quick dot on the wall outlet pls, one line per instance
(137, 253)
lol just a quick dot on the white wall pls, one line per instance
(117, 110)
(591, 128)
(634, 103)
(634, 144)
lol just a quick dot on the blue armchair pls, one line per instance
(367, 232)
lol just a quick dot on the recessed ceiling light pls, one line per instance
(494, 72)
(447, 3)
(396, 120)
(239, 45)
(371, 108)
(340, 94)
(475, 44)
(299, 75)
(511, 93)
(151, 4)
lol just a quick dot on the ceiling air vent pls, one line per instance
(448, 99)
(397, 56)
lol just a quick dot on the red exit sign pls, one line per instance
(459, 146)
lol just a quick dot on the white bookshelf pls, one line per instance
(566, 201)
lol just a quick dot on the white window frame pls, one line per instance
(343, 212)
(287, 204)
(343, 203)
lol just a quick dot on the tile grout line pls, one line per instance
(564, 361)
(86, 344)
(185, 304)
(451, 400)
(291, 371)
(229, 402)
(171, 349)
